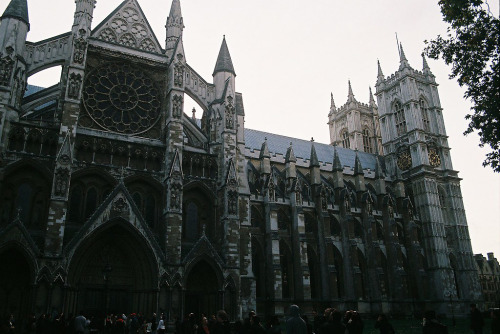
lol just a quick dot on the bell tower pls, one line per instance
(416, 150)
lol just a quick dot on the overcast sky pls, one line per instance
(289, 55)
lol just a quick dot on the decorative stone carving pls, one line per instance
(120, 205)
(128, 40)
(232, 202)
(139, 31)
(147, 45)
(61, 182)
(177, 101)
(108, 35)
(347, 203)
(74, 83)
(175, 197)
(324, 203)
(179, 72)
(271, 191)
(298, 193)
(230, 111)
(79, 51)
(6, 68)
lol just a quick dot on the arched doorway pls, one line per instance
(202, 290)
(114, 271)
(15, 284)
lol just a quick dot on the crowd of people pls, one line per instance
(331, 321)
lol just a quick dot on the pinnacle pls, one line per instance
(290, 156)
(337, 166)
(350, 96)
(224, 62)
(380, 74)
(358, 168)
(175, 9)
(314, 162)
(332, 103)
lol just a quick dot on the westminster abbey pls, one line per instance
(113, 198)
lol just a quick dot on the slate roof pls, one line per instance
(224, 62)
(17, 9)
(278, 144)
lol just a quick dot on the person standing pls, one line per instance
(383, 325)
(80, 323)
(295, 324)
(476, 320)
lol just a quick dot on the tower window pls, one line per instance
(425, 115)
(367, 145)
(400, 119)
(345, 139)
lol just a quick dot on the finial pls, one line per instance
(380, 74)
(312, 139)
(402, 52)
(194, 113)
(350, 96)
(18, 215)
(203, 230)
(332, 102)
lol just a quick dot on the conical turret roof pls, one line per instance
(17, 9)
(224, 62)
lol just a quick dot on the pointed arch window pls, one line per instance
(367, 144)
(191, 225)
(400, 118)
(345, 139)
(425, 115)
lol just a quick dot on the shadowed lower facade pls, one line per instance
(115, 200)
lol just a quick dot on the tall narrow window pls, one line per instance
(191, 227)
(400, 119)
(367, 144)
(345, 139)
(425, 115)
(24, 201)
(91, 202)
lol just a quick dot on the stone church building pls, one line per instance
(114, 199)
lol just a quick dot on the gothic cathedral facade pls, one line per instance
(115, 200)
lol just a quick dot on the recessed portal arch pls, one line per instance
(114, 270)
(203, 288)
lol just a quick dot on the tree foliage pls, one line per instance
(472, 47)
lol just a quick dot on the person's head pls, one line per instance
(294, 310)
(221, 316)
(204, 321)
(336, 315)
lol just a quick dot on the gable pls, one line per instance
(128, 26)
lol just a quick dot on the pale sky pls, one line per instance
(289, 55)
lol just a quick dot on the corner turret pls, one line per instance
(223, 70)
(174, 26)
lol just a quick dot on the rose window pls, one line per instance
(121, 98)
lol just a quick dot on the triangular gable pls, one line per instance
(16, 231)
(127, 25)
(203, 247)
(118, 204)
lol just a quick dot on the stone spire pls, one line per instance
(290, 161)
(380, 75)
(290, 156)
(336, 165)
(372, 100)
(358, 168)
(403, 62)
(426, 68)
(350, 95)
(175, 25)
(332, 103)
(224, 62)
(314, 162)
(265, 159)
(17, 9)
